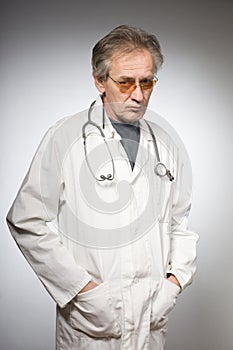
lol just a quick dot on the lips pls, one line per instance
(135, 108)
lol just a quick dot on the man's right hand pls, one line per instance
(90, 285)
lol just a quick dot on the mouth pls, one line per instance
(135, 108)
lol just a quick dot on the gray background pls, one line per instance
(45, 75)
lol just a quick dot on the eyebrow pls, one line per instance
(124, 77)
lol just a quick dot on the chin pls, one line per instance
(130, 116)
(133, 117)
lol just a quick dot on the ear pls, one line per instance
(100, 84)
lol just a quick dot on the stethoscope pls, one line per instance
(160, 169)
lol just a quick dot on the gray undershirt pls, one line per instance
(130, 137)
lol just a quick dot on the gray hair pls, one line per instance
(123, 39)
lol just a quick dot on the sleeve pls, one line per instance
(183, 241)
(28, 221)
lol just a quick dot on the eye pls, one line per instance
(126, 82)
(122, 82)
(146, 81)
(126, 85)
(147, 84)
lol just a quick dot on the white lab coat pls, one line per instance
(125, 235)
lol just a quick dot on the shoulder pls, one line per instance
(71, 126)
(58, 139)
(68, 125)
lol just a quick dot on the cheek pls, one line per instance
(147, 96)
(115, 96)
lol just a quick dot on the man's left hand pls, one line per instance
(174, 280)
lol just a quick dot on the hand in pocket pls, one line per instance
(92, 312)
(163, 301)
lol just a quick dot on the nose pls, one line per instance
(137, 94)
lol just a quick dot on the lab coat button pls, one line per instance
(135, 280)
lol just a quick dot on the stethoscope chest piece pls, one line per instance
(161, 170)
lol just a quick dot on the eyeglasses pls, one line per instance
(130, 86)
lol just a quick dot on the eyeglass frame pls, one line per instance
(133, 84)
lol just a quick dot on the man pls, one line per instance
(116, 187)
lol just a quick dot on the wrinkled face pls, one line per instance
(136, 66)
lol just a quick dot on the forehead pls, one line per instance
(135, 63)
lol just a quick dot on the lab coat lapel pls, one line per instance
(124, 167)
(143, 150)
(121, 161)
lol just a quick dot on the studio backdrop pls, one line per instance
(46, 75)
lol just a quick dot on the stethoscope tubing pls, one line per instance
(160, 169)
(102, 177)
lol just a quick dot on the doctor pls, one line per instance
(105, 231)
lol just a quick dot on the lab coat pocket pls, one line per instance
(163, 301)
(92, 313)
